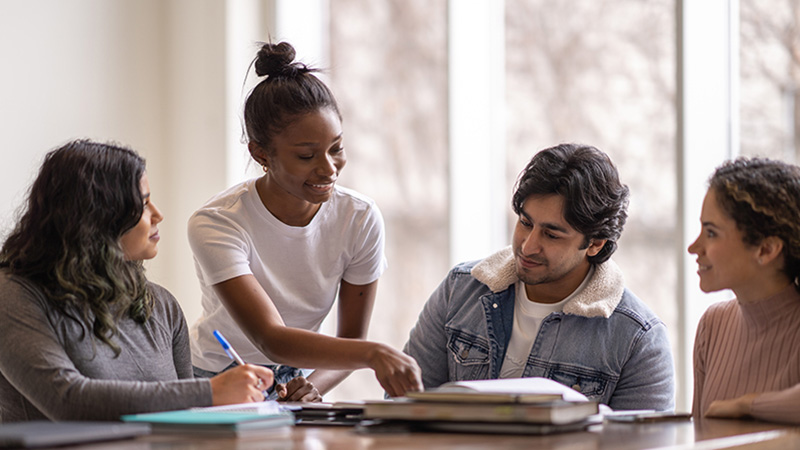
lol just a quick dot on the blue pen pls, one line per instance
(228, 349)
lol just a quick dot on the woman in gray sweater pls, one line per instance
(83, 334)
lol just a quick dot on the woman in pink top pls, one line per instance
(747, 350)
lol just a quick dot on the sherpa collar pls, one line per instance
(598, 299)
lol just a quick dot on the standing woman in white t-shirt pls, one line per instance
(273, 253)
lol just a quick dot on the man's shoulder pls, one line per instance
(636, 310)
(482, 272)
(461, 281)
(460, 288)
(464, 268)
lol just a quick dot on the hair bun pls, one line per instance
(276, 60)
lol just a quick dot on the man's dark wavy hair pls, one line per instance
(595, 201)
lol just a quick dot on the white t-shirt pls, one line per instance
(300, 268)
(528, 317)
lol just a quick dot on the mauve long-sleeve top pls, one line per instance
(743, 348)
(51, 367)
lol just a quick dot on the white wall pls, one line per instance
(146, 73)
(72, 69)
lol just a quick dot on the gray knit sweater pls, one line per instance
(51, 367)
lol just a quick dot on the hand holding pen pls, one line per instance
(298, 389)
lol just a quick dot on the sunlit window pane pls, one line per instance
(389, 73)
(770, 73)
(603, 73)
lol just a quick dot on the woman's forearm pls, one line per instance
(308, 349)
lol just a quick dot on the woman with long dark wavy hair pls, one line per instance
(83, 334)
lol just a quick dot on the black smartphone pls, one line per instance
(646, 417)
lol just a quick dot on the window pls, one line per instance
(597, 73)
(770, 77)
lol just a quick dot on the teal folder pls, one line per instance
(213, 420)
(188, 416)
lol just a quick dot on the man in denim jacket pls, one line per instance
(552, 304)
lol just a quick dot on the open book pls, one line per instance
(505, 390)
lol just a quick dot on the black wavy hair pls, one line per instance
(595, 201)
(85, 197)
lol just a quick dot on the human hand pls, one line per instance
(397, 372)
(298, 389)
(733, 408)
(242, 384)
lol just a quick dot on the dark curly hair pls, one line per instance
(763, 198)
(85, 197)
(289, 91)
(595, 202)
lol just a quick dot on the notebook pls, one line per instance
(50, 434)
(247, 419)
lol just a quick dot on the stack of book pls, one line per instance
(322, 413)
(519, 405)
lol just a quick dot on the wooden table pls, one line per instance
(706, 434)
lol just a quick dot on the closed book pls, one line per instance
(556, 412)
(233, 420)
(505, 427)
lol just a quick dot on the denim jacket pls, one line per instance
(606, 343)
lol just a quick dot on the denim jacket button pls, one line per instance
(494, 305)
(576, 387)
(464, 353)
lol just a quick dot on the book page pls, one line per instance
(534, 385)
(267, 407)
